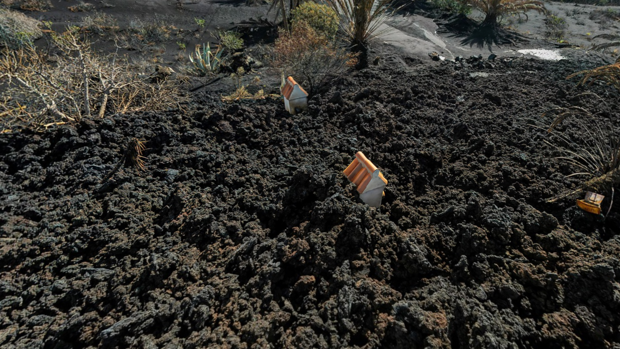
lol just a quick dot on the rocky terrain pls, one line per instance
(242, 231)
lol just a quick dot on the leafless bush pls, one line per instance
(40, 93)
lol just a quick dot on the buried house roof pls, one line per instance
(289, 86)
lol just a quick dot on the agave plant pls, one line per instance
(207, 61)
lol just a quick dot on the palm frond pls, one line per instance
(609, 74)
(362, 19)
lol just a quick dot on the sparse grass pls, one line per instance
(82, 7)
(608, 14)
(180, 57)
(144, 35)
(562, 113)
(134, 154)
(152, 31)
(131, 157)
(241, 91)
(100, 23)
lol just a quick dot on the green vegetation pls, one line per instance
(556, 27)
(230, 40)
(281, 9)
(322, 18)
(200, 22)
(206, 61)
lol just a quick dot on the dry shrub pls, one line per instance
(242, 92)
(42, 93)
(309, 57)
(17, 29)
(82, 7)
(143, 91)
(100, 23)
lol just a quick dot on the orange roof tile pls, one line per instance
(287, 90)
(289, 86)
(360, 172)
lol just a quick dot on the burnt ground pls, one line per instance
(242, 231)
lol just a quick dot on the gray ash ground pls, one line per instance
(243, 232)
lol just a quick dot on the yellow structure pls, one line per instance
(591, 203)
